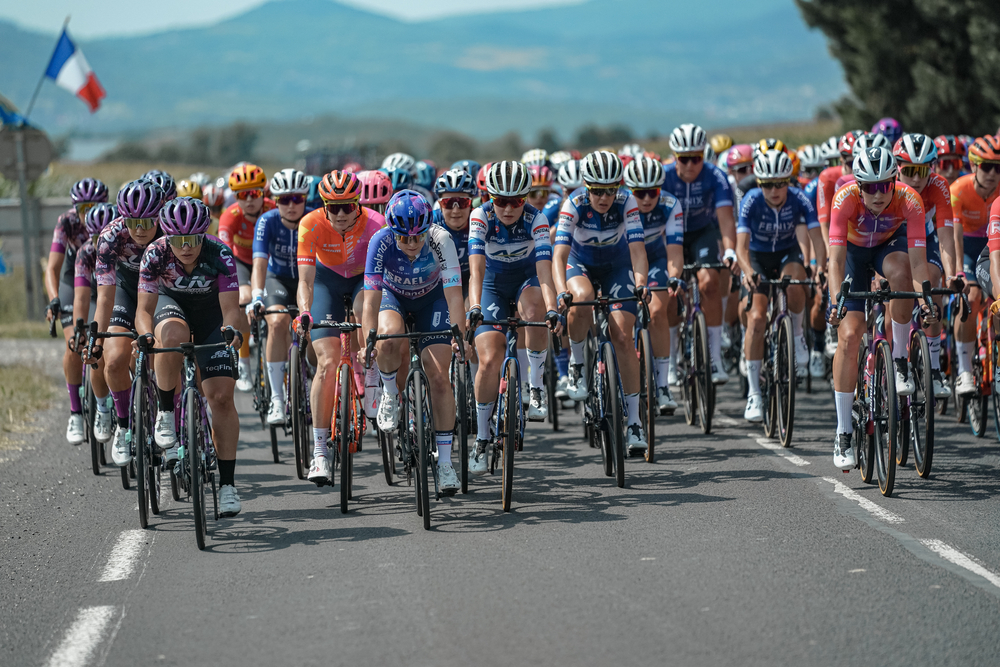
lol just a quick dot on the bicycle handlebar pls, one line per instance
(374, 336)
(882, 294)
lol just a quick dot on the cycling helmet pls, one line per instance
(710, 154)
(626, 161)
(189, 189)
(739, 154)
(155, 172)
(426, 175)
(289, 182)
(481, 176)
(985, 148)
(376, 187)
(247, 177)
(915, 149)
(874, 165)
(771, 144)
(352, 168)
(948, 144)
(535, 156)
(772, 165)
(644, 172)
(870, 140)
(846, 143)
(569, 175)
(470, 166)
(796, 163)
(401, 179)
(541, 176)
(830, 149)
(603, 168)
(720, 142)
(201, 178)
(455, 180)
(400, 161)
(408, 213)
(630, 150)
(89, 190)
(811, 157)
(508, 179)
(212, 195)
(99, 216)
(185, 215)
(165, 181)
(338, 186)
(890, 128)
(140, 199)
(559, 158)
(654, 155)
(688, 138)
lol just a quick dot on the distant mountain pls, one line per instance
(645, 63)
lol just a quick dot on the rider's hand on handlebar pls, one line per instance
(303, 323)
(729, 259)
(473, 318)
(554, 322)
(957, 282)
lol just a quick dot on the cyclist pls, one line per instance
(988, 265)
(915, 154)
(274, 281)
(951, 153)
(403, 161)
(332, 247)
(69, 236)
(510, 261)
(188, 292)
(541, 195)
(971, 198)
(739, 165)
(164, 180)
(412, 270)
(119, 251)
(776, 222)
(872, 220)
(600, 237)
(814, 158)
(707, 200)
(827, 185)
(455, 190)
(236, 229)
(376, 189)
(889, 128)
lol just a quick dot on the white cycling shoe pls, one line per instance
(966, 384)
(388, 412)
(904, 383)
(538, 408)
(121, 447)
(74, 429)
(665, 399)
(636, 439)
(321, 472)
(843, 453)
(163, 431)
(477, 458)
(244, 383)
(719, 376)
(276, 413)
(941, 388)
(448, 478)
(229, 501)
(102, 426)
(577, 389)
(754, 412)
(817, 366)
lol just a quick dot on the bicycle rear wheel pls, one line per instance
(921, 409)
(89, 410)
(420, 427)
(941, 404)
(648, 405)
(978, 411)
(885, 419)
(460, 381)
(703, 373)
(343, 433)
(767, 388)
(862, 441)
(784, 376)
(296, 393)
(196, 467)
(614, 420)
(510, 431)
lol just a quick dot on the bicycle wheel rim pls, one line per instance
(648, 405)
(510, 433)
(921, 405)
(461, 385)
(196, 470)
(139, 444)
(423, 453)
(615, 412)
(343, 416)
(703, 373)
(295, 413)
(786, 382)
(885, 418)
(862, 442)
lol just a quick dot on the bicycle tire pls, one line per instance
(688, 394)
(125, 477)
(460, 381)
(551, 380)
(886, 418)
(423, 451)
(614, 423)
(196, 470)
(977, 409)
(766, 383)
(995, 387)
(139, 435)
(703, 373)
(175, 491)
(589, 371)
(862, 442)
(941, 404)
(648, 405)
(784, 369)
(343, 431)
(510, 431)
(809, 346)
(299, 426)
(275, 456)
(596, 408)
(260, 385)
(921, 408)
(89, 411)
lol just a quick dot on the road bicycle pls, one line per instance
(128, 472)
(88, 402)
(460, 375)
(694, 365)
(261, 384)
(648, 390)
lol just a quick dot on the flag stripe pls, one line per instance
(92, 93)
(64, 51)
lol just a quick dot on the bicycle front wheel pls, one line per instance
(885, 418)
(704, 388)
(261, 388)
(685, 354)
(460, 381)
(614, 419)
(784, 382)
(862, 441)
(978, 415)
(194, 447)
(420, 431)
(551, 380)
(343, 431)
(648, 406)
(140, 432)
(89, 410)
(296, 393)
(510, 432)
(921, 410)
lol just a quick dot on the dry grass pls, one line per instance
(115, 174)
(23, 392)
(793, 134)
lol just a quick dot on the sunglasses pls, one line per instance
(872, 188)
(745, 169)
(915, 170)
(190, 240)
(456, 202)
(410, 240)
(602, 192)
(771, 185)
(646, 193)
(244, 195)
(81, 209)
(335, 209)
(508, 202)
(989, 167)
(535, 194)
(140, 223)
(288, 200)
(690, 159)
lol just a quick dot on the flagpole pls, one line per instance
(41, 79)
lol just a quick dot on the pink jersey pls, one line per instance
(345, 255)
(852, 222)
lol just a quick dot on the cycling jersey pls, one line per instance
(936, 199)
(277, 244)
(460, 237)
(215, 271)
(844, 180)
(345, 255)
(701, 199)
(773, 230)
(70, 233)
(116, 250)
(388, 268)
(551, 209)
(968, 208)
(237, 232)
(852, 222)
(665, 223)
(83, 267)
(994, 226)
(826, 187)
(810, 190)
(596, 238)
(513, 249)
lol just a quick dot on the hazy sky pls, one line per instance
(96, 18)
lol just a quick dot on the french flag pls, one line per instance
(69, 69)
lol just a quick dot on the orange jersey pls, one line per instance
(346, 255)
(968, 208)
(994, 240)
(237, 232)
(936, 199)
(825, 190)
(853, 223)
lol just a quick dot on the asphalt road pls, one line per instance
(726, 551)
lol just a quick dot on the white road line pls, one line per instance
(874, 509)
(781, 451)
(82, 637)
(955, 556)
(726, 421)
(123, 556)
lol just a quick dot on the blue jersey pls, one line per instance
(551, 209)
(700, 199)
(459, 237)
(811, 189)
(509, 249)
(595, 238)
(276, 243)
(772, 230)
(663, 223)
(388, 267)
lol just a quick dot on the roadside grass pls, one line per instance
(793, 134)
(23, 392)
(13, 323)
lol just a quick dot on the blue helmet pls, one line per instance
(313, 200)
(455, 180)
(408, 213)
(470, 166)
(401, 178)
(426, 174)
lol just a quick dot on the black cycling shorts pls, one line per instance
(203, 316)
(279, 291)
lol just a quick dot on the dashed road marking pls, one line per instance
(872, 508)
(953, 555)
(124, 555)
(82, 637)
(781, 451)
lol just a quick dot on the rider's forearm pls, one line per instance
(560, 254)
(640, 263)
(81, 303)
(675, 260)
(145, 307)
(369, 316)
(105, 303)
(52, 270)
(818, 247)
(477, 266)
(995, 273)
(304, 293)
(946, 244)
(727, 225)
(959, 239)
(918, 265)
(232, 315)
(743, 253)
(259, 274)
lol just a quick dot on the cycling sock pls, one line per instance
(522, 361)
(797, 324)
(715, 345)
(484, 411)
(674, 340)
(562, 362)
(536, 366)
(576, 355)
(818, 342)
(845, 401)
(964, 356)
(121, 404)
(753, 376)
(165, 399)
(900, 339)
(443, 440)
(320, 436)
(934, 345)
(75, 405)
(227, 472)
(102, 404)
(662, 370)
(632, 402)
(276, 376)
(389, 383)
(245, 350)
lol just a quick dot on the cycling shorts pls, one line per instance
(243, 271)
(656, 255)
(205, 325)
(703, 246)
(279, 291)
(329, 290)
(499, 291)
(430, 313)
(615, 279)
(769, 265)
(983, 272)
(863, 263)
(972, 247)
(123, 312)
(934, 251)
(66, 278)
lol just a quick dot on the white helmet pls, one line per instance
(874, 165)
(559, 158)
(400, 161)
(688, 138)
(631, 150)
(569, 175)
(508, 179)
(721, 163)
(772, 165)
(830, 149)
(644, 172)
(915, 148)
(201, 178)
(601, 168)
(289, 182)
(710, 155)
(811, 157)
(536, 157)
(871, 140)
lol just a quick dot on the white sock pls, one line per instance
(900, 339)
(964, 356)
(632, 402)
(484, 411)
(797, 324)
(674, 340)
(102, 404)
(715, 345)
(276, 375)
(245, 363)
(844, 401)
(371, 376)
(753, 376)
(389, 383)
(576, 355)
(536, 366)
(662, 369)
(934, 346)
(522, 361)
(443, 440)
(320, 436)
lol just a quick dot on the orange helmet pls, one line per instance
(247, 177)
(985, 148)
(796, 162)
(340, 186)
(541, 176)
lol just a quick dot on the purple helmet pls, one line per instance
(89, 190)
(99, 217)
(185, 215)
(140, 199)
(408, 213)
(164, 180)
(890, 127)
